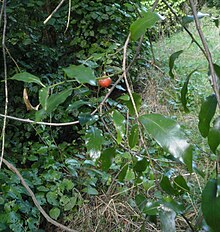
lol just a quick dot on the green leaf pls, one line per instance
(140, 201)
(141, 165)
(43, 97)
(211, 205)
(172, 59)
(106, 158)
(174, 205)
(217, 70)
(27, 77)
(94, 141)
(206, 114)
(119, 123)
(139, 27)
(167, 187)
(138, 103)
(54, 213)
(184, 91)
(72, 203)
(52, 198)
(180, 184)
(123, 172)
(90, 190)
(167, 219)
(169, 136)
(56, 99)
(81, 73)
(87, 119)
(214, 135)
(133, 136)
(151, 208)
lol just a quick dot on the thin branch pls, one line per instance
(41, 123)
(68, 19)
(55, 10)
(208, 53)
(16, 64)
(185, 28)
(48, 218)
(6, 83)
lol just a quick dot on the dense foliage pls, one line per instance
(106, 149)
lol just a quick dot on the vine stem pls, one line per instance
(207, 51)
(6, 82)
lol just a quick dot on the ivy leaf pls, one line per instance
(123, 172)
(206, 114)
(133, 137)
(81, 73)
(94, 141)
(141, 165)
(54, 213)
(56, 99)
(172, 59)
(167, 187)
(139, 27)
(180, 184)
(211, 205)
(27, 78)
(214, 135)
(169, 136)
(119, 123)
(137, 100)
(184, 91)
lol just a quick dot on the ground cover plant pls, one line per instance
(103, 129)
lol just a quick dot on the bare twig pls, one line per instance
(68, 19)
(55, 10)
(48, 218)
(208, 53)
(6, 83)
(13, 59)
(41, 123)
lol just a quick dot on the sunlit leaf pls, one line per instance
(54, 213)
(133, 136)
(214, 135)
(81, 73)
(206, 114)
(169, 136)
(94, 141)
(139, 27)
(119, 123)
(172, 59)
(211, 205)
(184, 91)
(27, 77)
(56, 99)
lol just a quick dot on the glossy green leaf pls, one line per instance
(139, 27)
(184, 91)
(54, 213)
(138, 103)
(167, 187)
(56, 99)
(206, 114)
(94, 141)
(140, 201)
(141, 165)
(81, 73)
(119, 123)
(172, 59)
(211, 205)
(123, 172)
(179, 183)
(217, 70)
(43, 97)
(214, 135)
(106, 158)
(87, 119)
(27, 78)
(169, 136)
(133, 136)
(151, 208)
